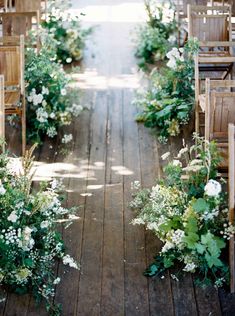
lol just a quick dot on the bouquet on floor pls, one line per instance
(30, 243)
(187, 211)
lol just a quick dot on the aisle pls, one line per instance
(110, 151)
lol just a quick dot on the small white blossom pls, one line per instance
(67, 138)
(212, 188)
(44, 224)
(12, 217)
(176, 163)
(42, 115)
(63, 92)
(67, 260)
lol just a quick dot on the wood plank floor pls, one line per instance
(110, 151)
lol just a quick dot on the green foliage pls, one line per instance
(166, 105)
(187, 211)
(156, 37)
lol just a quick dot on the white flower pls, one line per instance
(44, 224)
(76, 109)
(138, 221)
(12, 217)
(63, 92)
(135, 185)
(190, 267)
(52, 115)
(172, 39)
(212, 188)
(67, 260)
(51, 131)
(42, 115)
(176, 163)
(45, 90)
(67, 138)
(2, 190)
(168, 245)
(165, 156)
(56, 281)
(37, 99)
(68, 60)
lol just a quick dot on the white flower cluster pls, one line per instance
(213, 188)
(67, 138)
(190, 267)
(67, 260)
(42, 115)
(76, 109)
(174, 55)
(135, 185)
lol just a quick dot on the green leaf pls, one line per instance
(200, 205)
(200, 248)
(213, 261)
(191, 240)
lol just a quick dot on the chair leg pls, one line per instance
(23, 120)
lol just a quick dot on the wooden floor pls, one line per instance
(110, 151)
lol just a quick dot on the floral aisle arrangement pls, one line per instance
(168, 102)
(30, 243)
(157, 36)
(67, 30)
(187, 211)
(48, 106)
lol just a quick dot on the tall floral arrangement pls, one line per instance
(157, 36)
(65, 27)
(30, 243)
(187, 211)
(48, 105)
(166, 105)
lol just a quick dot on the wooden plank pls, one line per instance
(207, 301)
(113, 252)
(184, 296)
(136, 287)
(92, 245)
(67, 290)
(159, 289)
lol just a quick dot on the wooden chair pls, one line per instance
(212, 27)
(20, 23)
(12, 68)
(2, 111)
(219, 113)
(231, 190)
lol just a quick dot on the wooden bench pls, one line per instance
(12, 68)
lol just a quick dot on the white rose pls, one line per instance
(12, 217)
(212, 188)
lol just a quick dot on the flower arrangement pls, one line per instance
(167, 103)
(48, 106)
(29, 241)
(187, 211)
(66, 29)
(158, 35)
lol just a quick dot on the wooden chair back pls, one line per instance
(12, 61)
(211, 25)
(219, 109)
(2, 111)
(19, 23)
(27, 6)
(231, 190)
